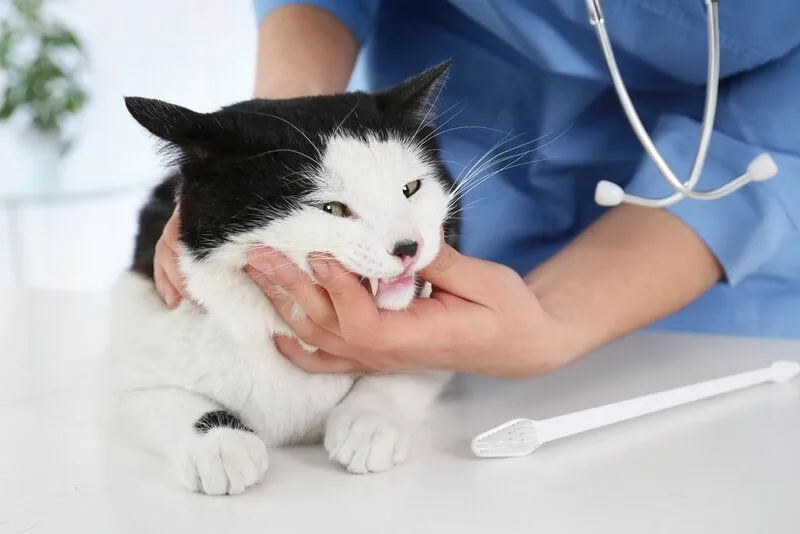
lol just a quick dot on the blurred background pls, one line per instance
(74, 167)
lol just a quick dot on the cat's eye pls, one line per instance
(336, 209)
(411, 187)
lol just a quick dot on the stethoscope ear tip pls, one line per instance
(763, 167)
(608, 194)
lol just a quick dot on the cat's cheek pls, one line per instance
(431, 249)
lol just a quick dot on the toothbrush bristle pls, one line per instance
(514, 438)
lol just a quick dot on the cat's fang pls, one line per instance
(373, 286)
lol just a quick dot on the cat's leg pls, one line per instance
(370, 430)
(210, 449)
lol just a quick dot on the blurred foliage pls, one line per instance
(40, 63)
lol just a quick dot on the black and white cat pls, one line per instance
(356, 175)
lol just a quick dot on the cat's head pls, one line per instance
(356, 175)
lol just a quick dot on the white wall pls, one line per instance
(199, 53)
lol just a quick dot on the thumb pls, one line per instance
(458, 274)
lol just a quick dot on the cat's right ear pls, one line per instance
(162, 119)
(195, 134)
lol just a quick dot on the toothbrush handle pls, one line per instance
(585, 420)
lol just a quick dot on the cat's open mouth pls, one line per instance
(382, 286)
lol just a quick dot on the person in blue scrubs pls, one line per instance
(582, 275)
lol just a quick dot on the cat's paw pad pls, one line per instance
(365, 441)
(223, 461)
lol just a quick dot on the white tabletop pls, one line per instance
(728, 465)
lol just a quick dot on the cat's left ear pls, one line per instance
(416, 96)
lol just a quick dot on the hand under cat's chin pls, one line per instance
(478, 309)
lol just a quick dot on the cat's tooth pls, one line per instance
(373, 285)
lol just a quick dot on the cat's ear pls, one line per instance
(417, 95)
(194, 134)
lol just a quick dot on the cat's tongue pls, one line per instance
(381, 286)
(399, 283)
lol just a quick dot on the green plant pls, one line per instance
(40, 63)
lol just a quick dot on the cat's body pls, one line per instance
(352, 175)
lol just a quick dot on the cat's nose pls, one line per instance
(405, 249)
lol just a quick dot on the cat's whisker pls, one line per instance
(473, 174)
(298, 130)
(276, 267)
(279, 150)
(471, 168)
(465, 207)
(559, 136)
(541, 137)
(436, 132)
(339, 126)
(497, 158)
(510, 166)
(452, 162)
(548, 143)
(433, 132)
(457, 128)
(477, 178)
(430, 107)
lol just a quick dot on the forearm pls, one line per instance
(303, 50)
(633, 267)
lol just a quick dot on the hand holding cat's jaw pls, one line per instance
(481, 318)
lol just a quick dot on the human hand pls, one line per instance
(481, 318)
(169, 281)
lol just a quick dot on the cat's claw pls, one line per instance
(365, 441)
(224, 461)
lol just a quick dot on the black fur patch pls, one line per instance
(153, 218)
(244, 165)
(219, 418)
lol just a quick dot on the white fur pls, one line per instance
(169, 367)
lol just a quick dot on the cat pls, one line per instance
(355, 174)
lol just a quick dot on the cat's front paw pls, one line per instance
(366, 441)
(223, 461)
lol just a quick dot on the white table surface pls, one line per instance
(728, 465)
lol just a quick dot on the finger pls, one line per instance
(168, 259)
(413, 333)
(303, 327)
(355, 309)
(283, 303)
(168, 293)
(300, 324)
(171, 231)
(276, 269)
(319, 361)
(470, 278)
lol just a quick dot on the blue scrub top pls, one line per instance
(533, 69)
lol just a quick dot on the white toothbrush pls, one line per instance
(520, 437)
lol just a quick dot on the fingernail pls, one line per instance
(321, 266)
(170, 300)
(263, 259)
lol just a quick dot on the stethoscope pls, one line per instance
(607, 193)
